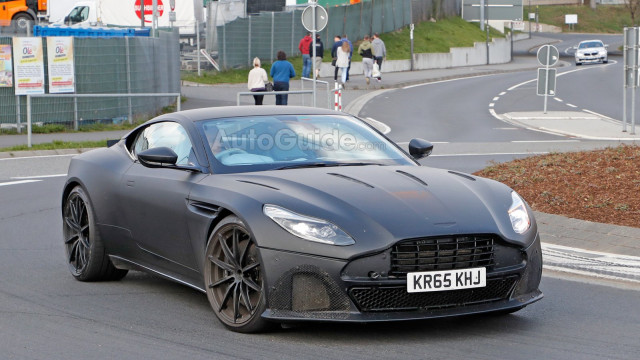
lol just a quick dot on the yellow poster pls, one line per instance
(29, 65)
(60, 64)
(6, 67)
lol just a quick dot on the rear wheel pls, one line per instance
(578, 64)
(86, 257)
(233, 277)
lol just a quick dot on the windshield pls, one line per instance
(291, 141)
(590, 44)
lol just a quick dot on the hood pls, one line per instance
(395, 202)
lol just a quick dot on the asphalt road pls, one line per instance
(46, 314)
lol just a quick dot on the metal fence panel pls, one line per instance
(113, 66)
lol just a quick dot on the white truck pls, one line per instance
(128, 13)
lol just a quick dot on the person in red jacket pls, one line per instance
(304, 45)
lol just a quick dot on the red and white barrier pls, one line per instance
(337, 96)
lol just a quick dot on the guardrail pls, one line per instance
(303, 79)
(75, 105)
(293, 92)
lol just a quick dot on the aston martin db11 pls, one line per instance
(283, 214)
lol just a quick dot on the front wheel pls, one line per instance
(86, 257)
(21, 22)
(234, 277)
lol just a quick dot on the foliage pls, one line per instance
(605, 19)
(57, 144)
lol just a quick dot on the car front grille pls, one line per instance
(396, 298)
(443, 253)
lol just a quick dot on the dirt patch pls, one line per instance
(601, 186)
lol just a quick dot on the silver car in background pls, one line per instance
(591, 51)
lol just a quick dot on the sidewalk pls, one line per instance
(553, 229)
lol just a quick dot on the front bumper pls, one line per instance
(303, 287)
(591, 59)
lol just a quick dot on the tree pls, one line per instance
(634, 9)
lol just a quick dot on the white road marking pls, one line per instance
(493, 113)
(37, 157)
(493, 154)
(444, 81)
(591, 263)
(506, 128)
(571, 105)
(557, 99)
(597, 114)
(18, 182)
(37, 176)
(544, 141)
(385, 128)
(491, 104)
(496, 98)
(502, 93)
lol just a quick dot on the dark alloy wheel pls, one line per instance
(233, 277)
(86, 257)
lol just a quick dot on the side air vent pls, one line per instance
(412, 177)
(352, 179)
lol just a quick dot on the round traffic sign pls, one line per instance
(548, 55)
(322, 18)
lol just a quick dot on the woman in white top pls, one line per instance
(342, 62)
(257, 79)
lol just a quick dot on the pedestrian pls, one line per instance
(304, 47)
(257, 79)
(344, 38)
(319, 53)
(379, 52)
(281, 71)
(367, 58)
(334, 55)
(343, 61)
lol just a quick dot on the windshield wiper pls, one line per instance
(325, 164)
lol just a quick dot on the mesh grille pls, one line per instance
(396, 298)
(442, 254)
(307, 291)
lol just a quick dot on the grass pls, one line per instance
(606, 19)
(56, 145)
(429, 37)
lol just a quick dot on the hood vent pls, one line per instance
(413, 177)
(462, 175)
(351, 179)
(259, 184)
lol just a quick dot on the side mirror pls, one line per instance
(158, 157)
(606, 46)
(419, 148)
(66, 20)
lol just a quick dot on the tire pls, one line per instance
(578, 64)
(605, 61)
(86, 257)
(234, 277)
(21, 22)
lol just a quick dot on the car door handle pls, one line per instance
(131, 183)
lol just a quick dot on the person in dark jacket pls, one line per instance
(319, 53)
(337, 42)
(281, 71)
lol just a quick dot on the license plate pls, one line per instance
(446, 280)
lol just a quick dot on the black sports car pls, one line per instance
(281, 214)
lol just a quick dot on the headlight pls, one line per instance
(308, 228)
(518, 214)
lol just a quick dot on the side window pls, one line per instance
(167, 134)
(79, 14)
